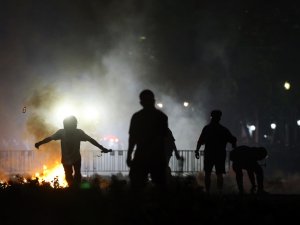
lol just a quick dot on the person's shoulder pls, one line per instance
(137, 113)
(59, 131)
(80, 130)
(242, 147)
(161, 113)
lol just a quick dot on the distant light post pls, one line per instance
(287, 85)
(160, 105)
(185, 104)
(251, 128)
(273, 126)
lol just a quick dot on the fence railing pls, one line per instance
(93, 162)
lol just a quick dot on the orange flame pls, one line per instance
(55, 176)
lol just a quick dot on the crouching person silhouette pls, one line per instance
(246, 158)
(70, 138)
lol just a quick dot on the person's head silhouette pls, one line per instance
(147, 99)
(216, 115)
(70, 123)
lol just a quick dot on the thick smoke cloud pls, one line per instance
(101, 53)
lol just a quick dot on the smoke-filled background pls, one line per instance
(92, 58)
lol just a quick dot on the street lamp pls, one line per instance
(185, 104)
(273, 126)
(287, 85)
(160, 105)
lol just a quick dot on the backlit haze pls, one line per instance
(92, 58)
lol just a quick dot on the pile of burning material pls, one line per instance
(53, 178)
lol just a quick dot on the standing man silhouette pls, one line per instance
(147, 133)
(215, 137)
(70, 138)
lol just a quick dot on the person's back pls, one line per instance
(246, 158)
(70, 143)
(148, 128)
(147, 132)
(215, 137)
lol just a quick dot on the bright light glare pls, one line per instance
(90, 113)
(273, 126)
(185, 104)
(160, 105)
(85, 113)
(252, 128)
(298, 122)
(64, 111)
(287, 85)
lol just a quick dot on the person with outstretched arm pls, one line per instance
(70, 138)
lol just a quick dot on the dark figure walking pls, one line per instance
(215, 137)
(246, 158)
(147, 133)
(170, 147)
(70, 138)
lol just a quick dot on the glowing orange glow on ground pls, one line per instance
(54, 176)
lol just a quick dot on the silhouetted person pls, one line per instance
(147, 133)
(70, 138)
(170, 147)
(215, 138)
(246, 158)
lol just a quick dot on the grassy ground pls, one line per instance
(103, 201)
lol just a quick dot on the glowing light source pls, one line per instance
(51, 175)
(298, 122)
(63, 111)
(90, 112)
(160, 105)
(287, 85)
(273, 126)
(185, 104)
(251, 128)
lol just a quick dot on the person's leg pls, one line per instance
(77, 172)
(259, 177)
(207, 181)
(138, 176)
(220, 182)
(239, 177)
(220, 170)
(251, 176)
(158, 175)
(68, 174)
(208, 165)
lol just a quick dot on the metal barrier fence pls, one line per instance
(93, 162)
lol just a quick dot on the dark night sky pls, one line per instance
(233, 55)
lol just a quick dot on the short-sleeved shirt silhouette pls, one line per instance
(148, 129)
(215, 137)
(70, 144)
